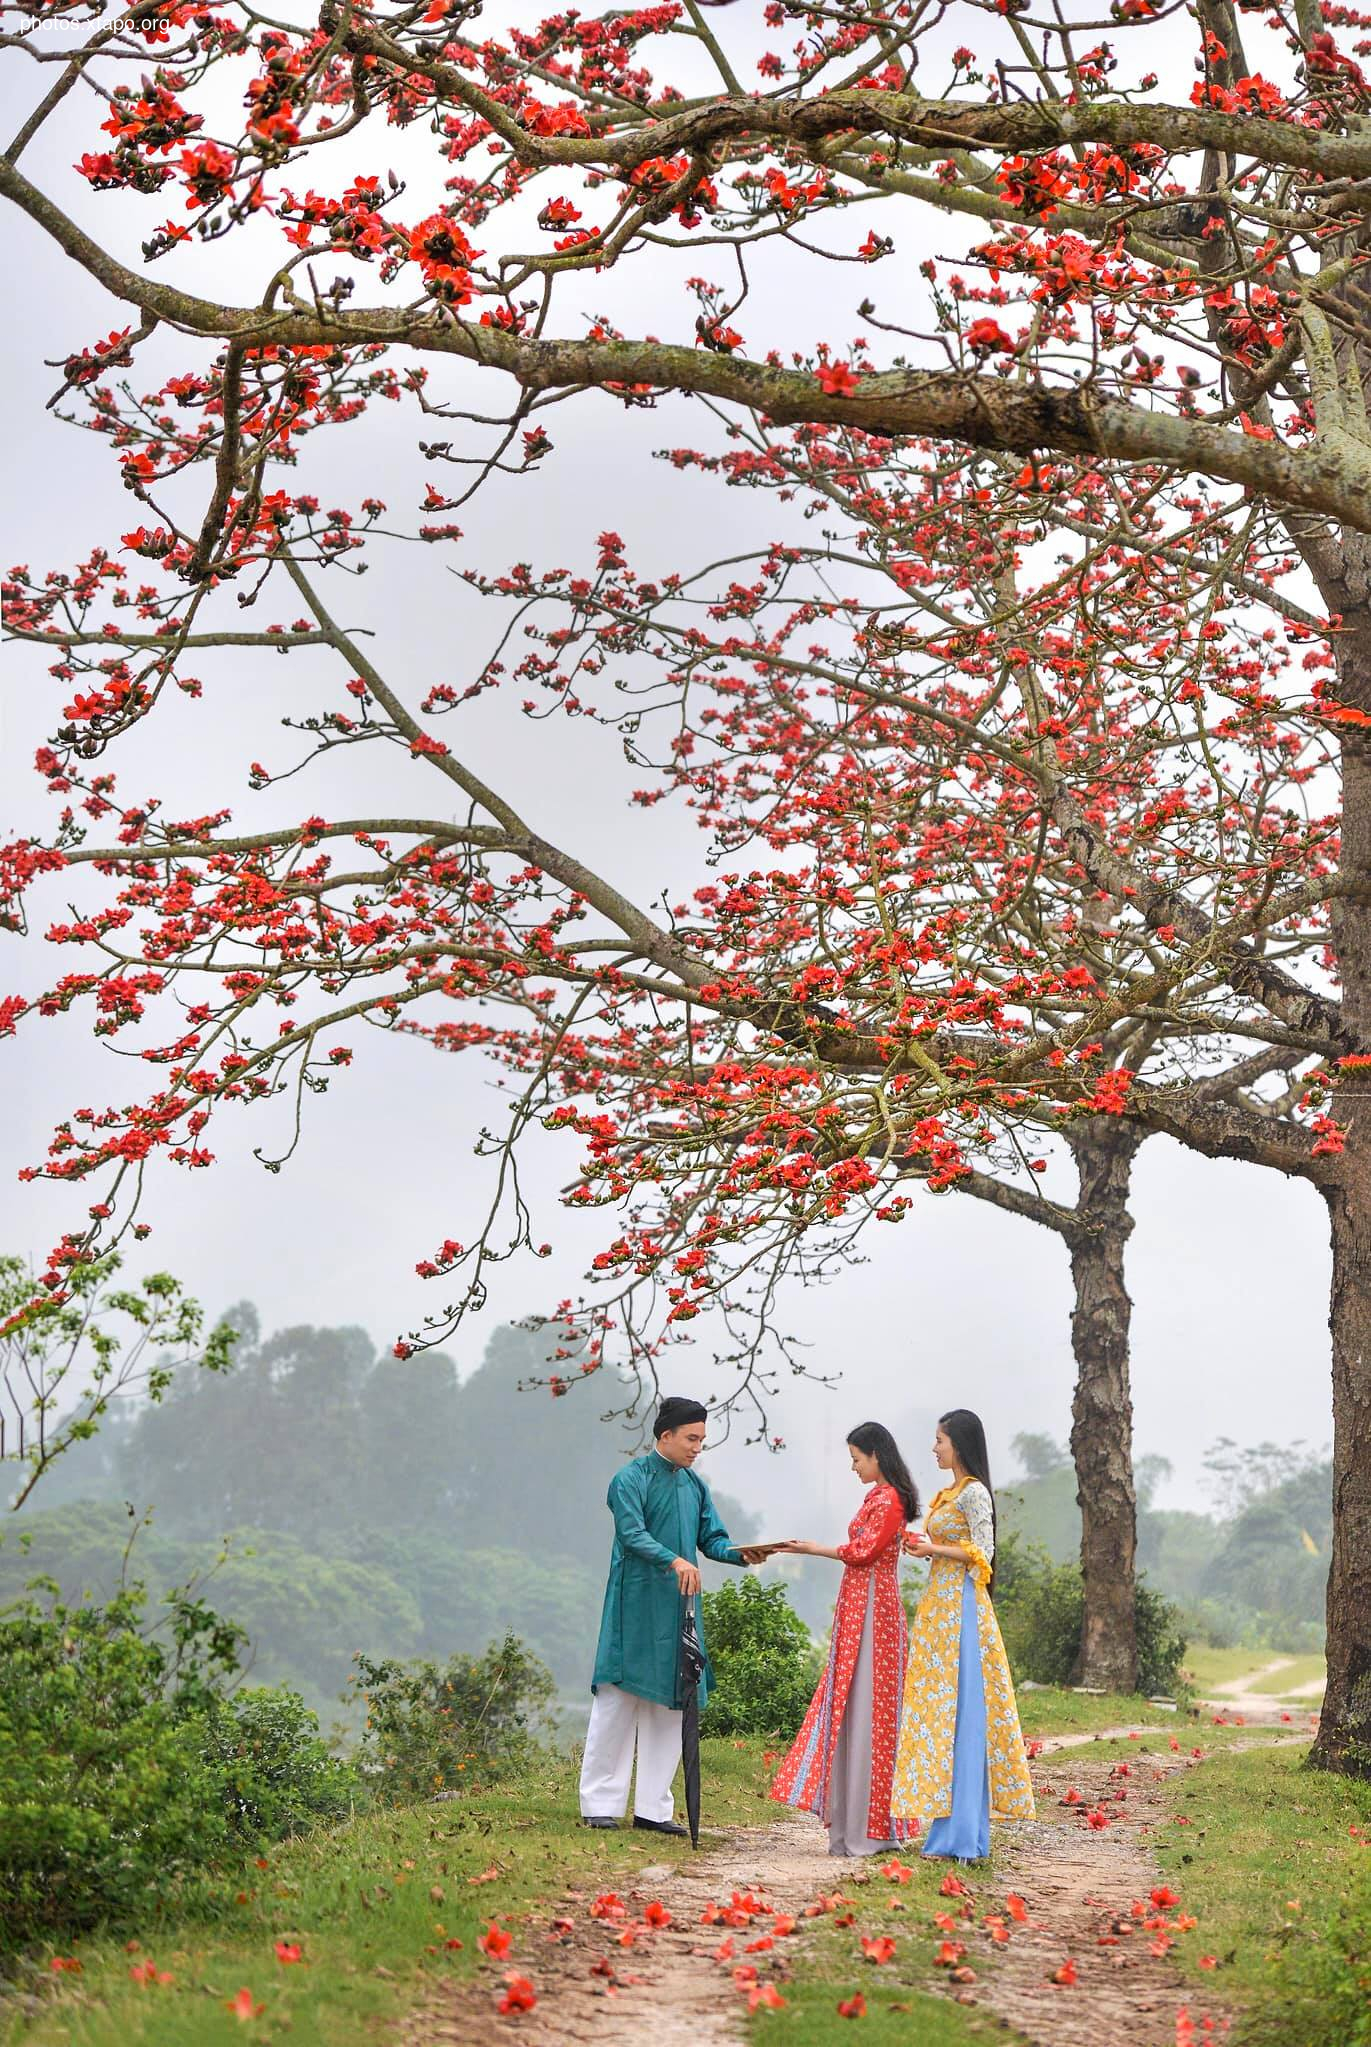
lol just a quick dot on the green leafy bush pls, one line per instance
(433, 1728)
(1041, 1609)
(765, 1661)
(106, 1801)
(273, 1771)
(126, 1775)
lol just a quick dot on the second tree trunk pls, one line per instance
(1102, 1409)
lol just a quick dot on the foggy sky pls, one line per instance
(957, 1306)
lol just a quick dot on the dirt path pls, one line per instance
(1081, 1886)
(1251, 1680)
(668, 1989)
(1247, 1695)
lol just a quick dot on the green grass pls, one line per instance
(894, 2015)
(1055, 1710)
(1206, 1667)
(371, 1905)
(1263, 1865)
(1303, 1670)
(1189, 1733)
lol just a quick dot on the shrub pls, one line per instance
(106, 1798)
(1041, 1610)
(765, 1661)
(273, 1771)
(434, 1728)
(126, 1775)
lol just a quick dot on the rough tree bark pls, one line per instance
(1344, 1738)
(1096, 1232)
(1102, 1408)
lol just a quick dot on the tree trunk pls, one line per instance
(1344, 1738)
(1102, 1409)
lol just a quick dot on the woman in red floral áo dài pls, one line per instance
(843, 1760)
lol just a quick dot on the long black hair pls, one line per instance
(873, 1439)
(966, 1434)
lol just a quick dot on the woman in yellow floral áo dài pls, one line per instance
(961, 1753)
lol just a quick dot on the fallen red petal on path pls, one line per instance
(520, 1995)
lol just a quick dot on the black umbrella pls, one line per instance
(690, 1669)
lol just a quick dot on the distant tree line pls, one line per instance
(367, 1502)
(1253, 1569)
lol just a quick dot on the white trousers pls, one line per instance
(620, 1720)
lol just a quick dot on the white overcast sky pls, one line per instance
(957, 1306)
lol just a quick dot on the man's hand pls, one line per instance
(687, 1577)
(757, 1553)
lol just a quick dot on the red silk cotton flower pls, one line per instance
(520, 1995)
(764, 1997)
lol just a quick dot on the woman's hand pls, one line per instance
(806, 1549)
(917, 1543)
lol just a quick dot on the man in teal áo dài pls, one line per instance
(663, 1515)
